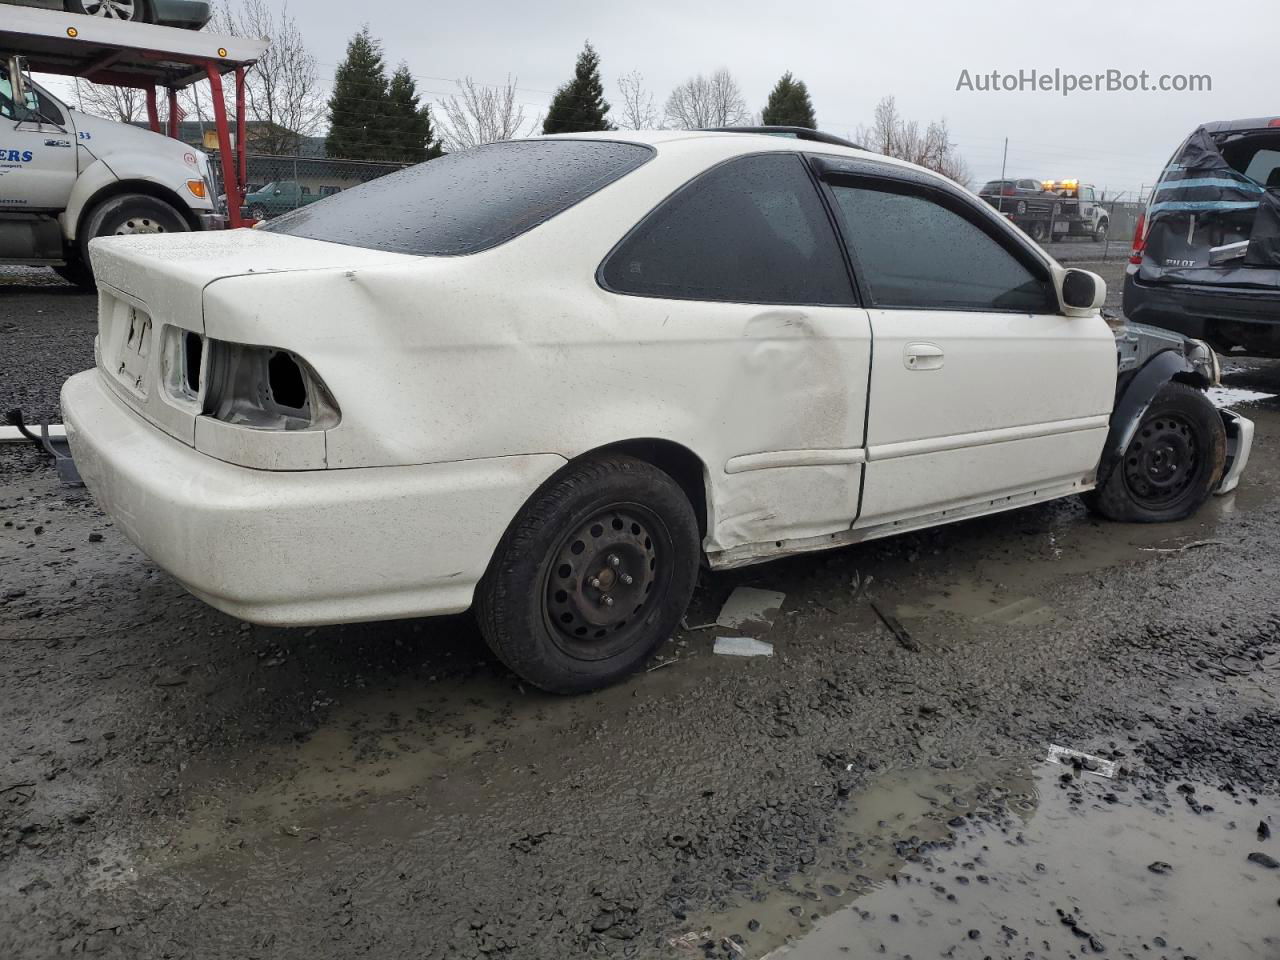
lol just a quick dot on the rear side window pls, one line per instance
(752, 230)
(468, 201)
(913, 252)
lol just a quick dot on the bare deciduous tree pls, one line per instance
(281, 92)
(714, 101)
(635, 110)
(125, 104)
(894, 136)
(480, 113)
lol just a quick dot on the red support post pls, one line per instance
(173, 113)
(241, 146)
(153, 112)
(229, 182)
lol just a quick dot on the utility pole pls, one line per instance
(1003, 163)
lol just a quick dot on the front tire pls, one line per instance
(1100, 234)
(257, 212)
(593, 574)
(129, 214)
(1171, 465)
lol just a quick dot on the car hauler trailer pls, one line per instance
(66, 177)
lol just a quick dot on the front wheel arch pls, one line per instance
(1132, 403)
(149, 188)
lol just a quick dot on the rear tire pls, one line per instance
(592, 575)
(1172, 464)
(128, 214)
(257, 212)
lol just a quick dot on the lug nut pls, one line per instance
(608, 600)
(627, 579)
(595, 582)
(613, 560)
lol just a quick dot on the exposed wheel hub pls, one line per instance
(602, 576)
(1162, 460)
(135, 225)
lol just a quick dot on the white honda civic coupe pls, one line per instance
(548, 378)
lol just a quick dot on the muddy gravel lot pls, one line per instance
(174, 783)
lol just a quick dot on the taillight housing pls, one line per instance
(263, 388)
(1139, 240)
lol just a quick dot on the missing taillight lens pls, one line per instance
(265, 388)
(192, 354)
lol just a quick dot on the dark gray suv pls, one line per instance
(1206, 254)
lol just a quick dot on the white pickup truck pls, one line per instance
(67, 177)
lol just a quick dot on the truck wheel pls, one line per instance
(592, 575)
(111, 9)
(1038, 232)
(257, 212)
(1171, 465)
(127, 214)
(1100, 232)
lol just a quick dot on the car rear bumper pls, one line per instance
(1224, 317)
(302, 547)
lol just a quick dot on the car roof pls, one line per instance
(1240, 126)
(742, 142)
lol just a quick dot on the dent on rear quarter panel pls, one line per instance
(517, 350)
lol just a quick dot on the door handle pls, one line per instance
(922, 356)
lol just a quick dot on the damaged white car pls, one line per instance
(548, 378)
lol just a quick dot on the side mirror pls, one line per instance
(1080, 293)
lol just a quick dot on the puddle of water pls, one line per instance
(983, 602)
(1037, 869)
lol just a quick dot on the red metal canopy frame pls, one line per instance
(145, 57)
(231, 153)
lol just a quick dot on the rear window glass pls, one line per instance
(468, 201)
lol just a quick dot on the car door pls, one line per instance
(738, 297)
(982, 393)
(37, 150)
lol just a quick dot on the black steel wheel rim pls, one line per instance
(605, 579)
(1163, 460)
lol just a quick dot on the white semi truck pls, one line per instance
(67, 177)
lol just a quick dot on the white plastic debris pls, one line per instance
(1230, 396)
(1092, 764)
(750, 610)
(743, 647)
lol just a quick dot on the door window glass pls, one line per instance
(912, 252)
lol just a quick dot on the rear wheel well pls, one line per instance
(136, 186)
(679, 463)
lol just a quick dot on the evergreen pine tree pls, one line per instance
(413, 140)
(579, 105)
(358, 108)
(789, 105)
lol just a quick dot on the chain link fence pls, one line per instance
(1089, 227)
(277, 184)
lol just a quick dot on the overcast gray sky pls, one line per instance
(852, 53)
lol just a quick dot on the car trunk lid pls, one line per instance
(151, 315)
